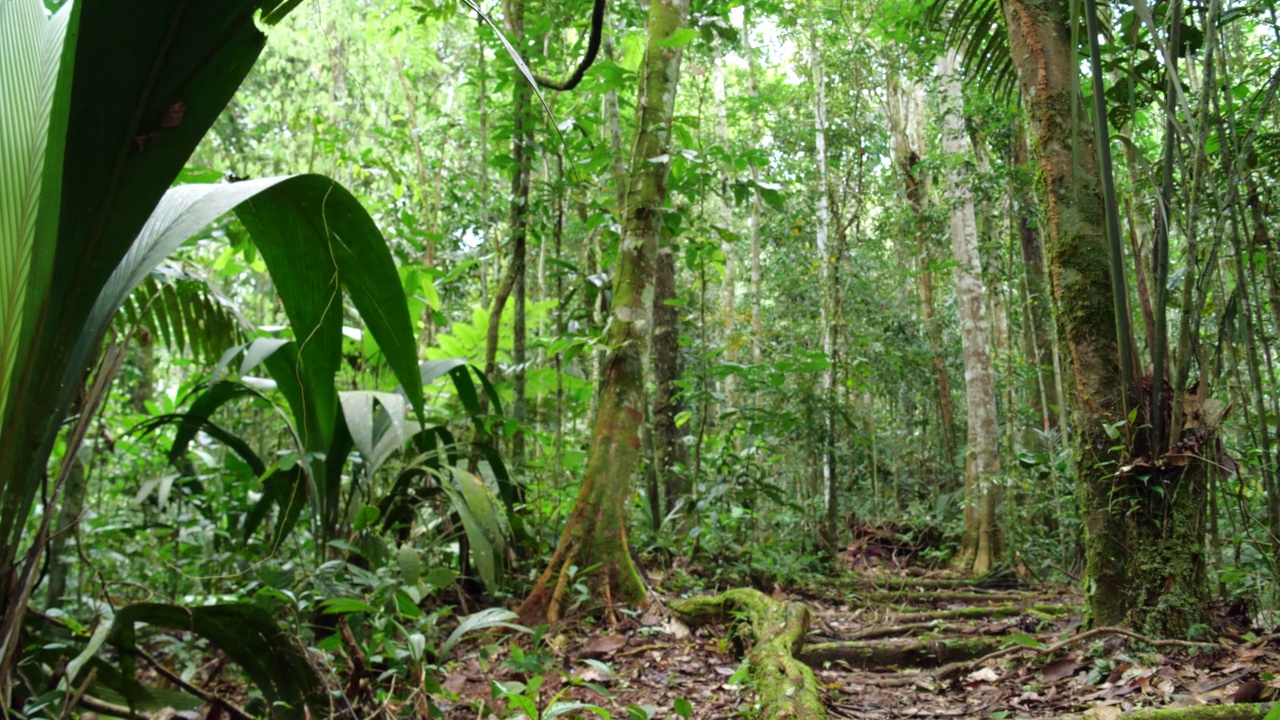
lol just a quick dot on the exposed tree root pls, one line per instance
(1195, 712)
(787, 687)
(990, 581)
(899, 653)
(880, 632)
(958, 668)
(1047, 610)
(936, 597)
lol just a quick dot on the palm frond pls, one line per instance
(185, 313)
(976, 28)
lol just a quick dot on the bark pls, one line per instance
(981, 540)
(1130, 556)
(666, 370)
(757, 324)
(777, 630)
(826, 266)
(910, 653)
(595, 536)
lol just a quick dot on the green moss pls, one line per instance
(787, 687)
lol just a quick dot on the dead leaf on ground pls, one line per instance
(986, 674)
(604, 645)
(1058, 669)
(1104, 712)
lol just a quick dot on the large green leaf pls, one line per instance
(317, 239)
(275, 662)
(30, 60)
(140, 83)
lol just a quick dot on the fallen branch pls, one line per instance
(786, 686)
(934, 597)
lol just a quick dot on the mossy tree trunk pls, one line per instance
(1138, 544)
(595, 535)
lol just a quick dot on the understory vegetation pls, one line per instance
(376, 360)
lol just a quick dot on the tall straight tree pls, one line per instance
(595, 535)
(980, 541)
(826, 273)
(518, 232)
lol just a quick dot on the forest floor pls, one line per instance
(887, 642)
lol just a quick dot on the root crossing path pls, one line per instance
(902, 647)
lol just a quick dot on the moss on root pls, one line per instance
(787, 687)
(891, 653)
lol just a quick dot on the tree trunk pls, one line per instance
(521, 177)
(826, 290)
(64, 535)
(728, 288)
(1127, 564)
(1039, 342)
(595, 536)
(666, 371)
(757, 323)
(980, 542)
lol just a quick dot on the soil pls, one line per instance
(938, 653)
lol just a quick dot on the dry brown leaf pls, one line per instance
(1104, 712)
(1058, 669)
(604, 645)
(985, 674)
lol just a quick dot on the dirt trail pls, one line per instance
(889, 646)
(901, 647)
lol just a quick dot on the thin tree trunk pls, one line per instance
(64, 534)
(1038, 306)
(595, 536)
(757, 322)
(826, 265)
(728, 288)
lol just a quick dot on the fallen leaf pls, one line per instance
(676, 629)
(985, 674)
(1104, 712)
(604, 645)
(1058, 669)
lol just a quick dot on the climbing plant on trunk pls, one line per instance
(595, 538)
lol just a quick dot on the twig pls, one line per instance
(78, 694)
(102, 707)
(1228, 681)
(205, 695)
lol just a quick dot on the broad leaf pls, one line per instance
(275, 662)
(483, 620)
